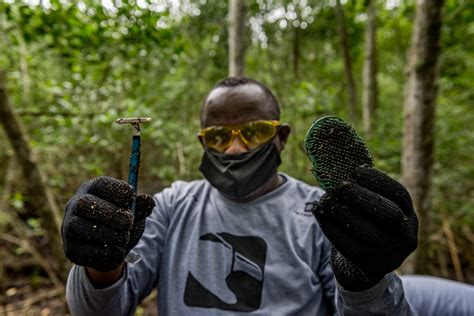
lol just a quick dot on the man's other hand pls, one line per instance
(371, 224)
(98, 228)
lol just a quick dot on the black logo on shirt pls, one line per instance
(242, 274)
(307, 210)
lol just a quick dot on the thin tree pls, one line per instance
(296, 43)
(341, 28)
(420, 110)
(370, 87)
(296, 51)
(39, 194)
(237, 13)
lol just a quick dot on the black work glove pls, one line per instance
(98, 228)
(371, 224)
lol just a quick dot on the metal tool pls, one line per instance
(135, 154)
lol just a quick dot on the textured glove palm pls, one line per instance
(98, 228)
(371, 224)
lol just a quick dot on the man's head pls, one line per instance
(238, 100)
(242, 138)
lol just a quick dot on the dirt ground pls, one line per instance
(25, 288)
(22, 299)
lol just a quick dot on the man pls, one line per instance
(243, 241)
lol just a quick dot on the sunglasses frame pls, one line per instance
(236, 131)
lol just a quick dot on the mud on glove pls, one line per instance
(371, 223)
(98, 229)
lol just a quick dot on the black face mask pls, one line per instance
(242, 174)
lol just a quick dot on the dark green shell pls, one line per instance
(335, 150)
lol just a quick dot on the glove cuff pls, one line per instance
(349, 275)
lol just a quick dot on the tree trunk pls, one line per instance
(39, 195)
(237, 12)
(370, 90)
(420, 110)
(341, 28)
(296, 51)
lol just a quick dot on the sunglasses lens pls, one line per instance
(256, 133)
(217, 137)
(253, 134)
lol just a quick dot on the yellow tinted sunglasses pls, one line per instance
(252, 134)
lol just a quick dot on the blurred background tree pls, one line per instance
(73, 67)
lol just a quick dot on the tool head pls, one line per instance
(133, 120)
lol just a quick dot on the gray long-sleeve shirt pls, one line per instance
(211, 256)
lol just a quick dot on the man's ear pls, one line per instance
(283, 133)
(200, 140)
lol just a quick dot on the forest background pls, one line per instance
(73, 67)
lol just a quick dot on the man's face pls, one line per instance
(226, 106)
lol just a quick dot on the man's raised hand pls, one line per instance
(98, 228)
(371, 223)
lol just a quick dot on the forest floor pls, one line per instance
(21, 299)
(26, 290)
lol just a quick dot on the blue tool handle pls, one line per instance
(134, 166)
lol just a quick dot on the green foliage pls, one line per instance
(453, 185)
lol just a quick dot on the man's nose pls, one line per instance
(236, 147)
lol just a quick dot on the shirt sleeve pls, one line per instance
(385, 298)
(139, 278)
(326, 275)
(436, 296)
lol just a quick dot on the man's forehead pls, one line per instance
(236, 93)
(235, 105)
